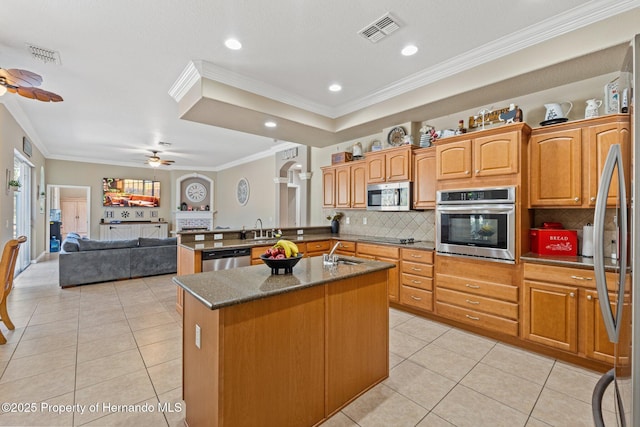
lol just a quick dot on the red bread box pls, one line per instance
(550, 241)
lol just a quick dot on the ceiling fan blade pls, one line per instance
(17, 77)
(39, 94)
(167, 162)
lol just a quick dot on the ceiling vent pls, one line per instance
(45, 55)
(380, 28)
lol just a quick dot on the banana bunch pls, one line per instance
(282, 249)
(290, 248)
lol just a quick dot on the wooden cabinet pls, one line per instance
(424, 182)
(318, 248)
(392, 164)
(388, 254)
(479, 293)
(74, 217)
(345, 186)
(596, 341)
(345, 248)
(491, 153)
(562, 310)
(124, 231)
(256, 251)
(567, 161)
(416, 283)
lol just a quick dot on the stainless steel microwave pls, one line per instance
(392, 196)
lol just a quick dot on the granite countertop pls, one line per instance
(570, 261)
(217, 289)
(238, 243)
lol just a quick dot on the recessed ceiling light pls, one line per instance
(335, 87)
(409, 50)
(270, 124)
(233, 44)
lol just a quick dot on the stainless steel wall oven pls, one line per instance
(477, 222)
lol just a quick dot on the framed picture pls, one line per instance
(27, 149)
(242, 191)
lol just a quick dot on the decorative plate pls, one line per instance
(242, 191)
(396, 136)
(196, 192)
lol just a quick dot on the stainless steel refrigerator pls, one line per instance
(620, 306)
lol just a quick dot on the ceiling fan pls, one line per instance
(23, 83)
(155, 161)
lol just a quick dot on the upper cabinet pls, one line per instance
(345, 185)
(424, 183)
(481, 156)
(392, 164)
(566, 161)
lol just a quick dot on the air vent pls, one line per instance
(380, 28)
(43, 54)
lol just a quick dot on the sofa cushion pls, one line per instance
(152, 241)
(96, 245)
(70, 243)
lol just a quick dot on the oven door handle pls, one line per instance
(481, 209)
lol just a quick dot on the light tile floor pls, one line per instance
(110, 354)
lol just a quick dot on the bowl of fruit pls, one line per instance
(283, 255)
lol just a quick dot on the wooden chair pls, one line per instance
(7, 268)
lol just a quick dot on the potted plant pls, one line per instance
(335, 222)
(15, 185)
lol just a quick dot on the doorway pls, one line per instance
(69, 210)
(22, 209)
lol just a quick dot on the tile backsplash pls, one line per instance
(421, 224)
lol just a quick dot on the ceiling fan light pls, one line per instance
(154, 163)
(3, 90)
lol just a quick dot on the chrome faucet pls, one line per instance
(255, 233)
(331, 259)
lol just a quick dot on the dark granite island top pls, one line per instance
(217, 289)
(282, 350)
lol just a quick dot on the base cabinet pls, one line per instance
(388, 254)
(416, 283)
(562, 310)
(124, 231)
(482, 294)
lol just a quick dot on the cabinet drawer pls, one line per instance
(481, 320)
(345, 247)
(417, 281)
(418, 298)
(319, 246)
(378, 250)
(415, 255)
(479, 303)
(424, 270)
(479, 287)
(568, 276)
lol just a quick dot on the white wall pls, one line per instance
(262, 199)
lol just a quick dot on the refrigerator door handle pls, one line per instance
(612, 321)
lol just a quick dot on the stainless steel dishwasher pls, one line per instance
(224, 259)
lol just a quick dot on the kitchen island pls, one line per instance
(283, 350)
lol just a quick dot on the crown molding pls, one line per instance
(189, 77)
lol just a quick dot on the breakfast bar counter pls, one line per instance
(285, 349)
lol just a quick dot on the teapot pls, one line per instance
(554, 111)
(592, 108)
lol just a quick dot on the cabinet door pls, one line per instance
(496, 154)
(454, 160)
(359, 185)
(343, 187)
(153, 230)
(376, 168)
(394, 278)
(600, 139)
(424, 185)
(556, 169)
(123, 232)
(550, 315)
(597, 344)
(398, 166)
(328, 187)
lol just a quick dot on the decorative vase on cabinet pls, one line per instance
(335, 226)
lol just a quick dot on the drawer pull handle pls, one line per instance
(416, 298)
(581, 278)
(416, 256)
(417, 282)
(416, 269)
(473, 302)
(472, 317)
(472, 286)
